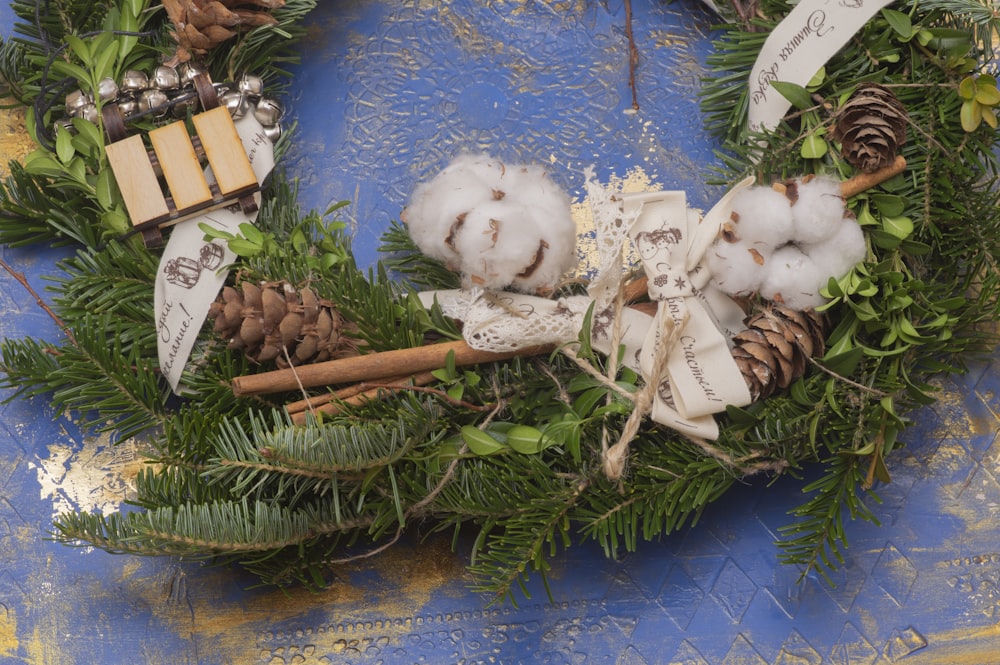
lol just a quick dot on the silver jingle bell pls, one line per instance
(272, 132)
(107, 89)
(182, 106)
(166, 78)
(134, 81)
(153, 99)
(76, 100)
(268, 111)
(128, 106)
(235, 102)
(251, 85)
(188, 70)
(89, 113)
(62, 123)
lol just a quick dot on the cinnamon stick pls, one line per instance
(372, 367)
(862, 181)
(361, 393)
(314, 401)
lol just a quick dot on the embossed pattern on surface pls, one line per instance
(545, 82)
(923, 588)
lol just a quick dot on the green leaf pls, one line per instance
(64, 145)
(480, 442)
(89, 133)
(990, 117)
(252, 233)
(105, 189)
(817, 80)
(901, 227)
(128, 22)
(41, 162)
(953, 41)
(987, 93)
(888, 204)
(899, 22)
(971, 115)
(80, 48)
(843, 363)
(72, 70)
(794, 93)
(813, 147)
(525, 439)
(241, 247)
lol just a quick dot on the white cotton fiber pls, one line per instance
(499, 225)
(836, 256)
(817, 211)
(737, 268)
(497, 241)
(793, 279)
(763, 216)
(438, 207)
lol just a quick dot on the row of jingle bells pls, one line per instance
(170, 90)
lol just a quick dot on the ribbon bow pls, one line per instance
(682, 352)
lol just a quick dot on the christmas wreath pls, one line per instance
(324, 409)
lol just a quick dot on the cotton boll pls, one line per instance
(438, 206)
(762, 216)
(817, 211)
(793, 279)
(841, 252)
(737, 268)
(497, 240)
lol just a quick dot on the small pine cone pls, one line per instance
(201, 25)
(269, 320)
(773, 351)
(871, 127)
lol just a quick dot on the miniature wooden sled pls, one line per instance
(166, 184)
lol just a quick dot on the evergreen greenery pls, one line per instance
(509, 452)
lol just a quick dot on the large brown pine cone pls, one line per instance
(774, 349)
(269, 320)
(871, 127)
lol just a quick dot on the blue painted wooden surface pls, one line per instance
(387, 92)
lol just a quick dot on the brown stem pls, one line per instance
(23, 281)
(633, 55)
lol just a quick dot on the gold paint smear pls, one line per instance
(634, 180)
(8, 632)
(14, 140)
(98, 477)
(963, 646)
(396, 585)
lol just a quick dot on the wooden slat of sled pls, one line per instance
(137, 180)
(224, 151)
(179, 163)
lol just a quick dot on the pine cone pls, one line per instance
(773, 351)
(201, 25)
(265, 321)
(871, 127)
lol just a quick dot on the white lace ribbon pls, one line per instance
(700, 376)
(190, 273)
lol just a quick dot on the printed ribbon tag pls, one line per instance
(191, 270)
(796, 49)
(701, 377)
